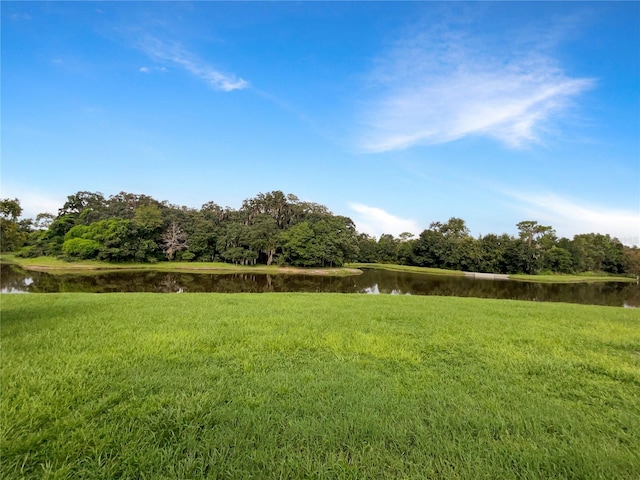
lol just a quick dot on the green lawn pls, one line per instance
(316, 386)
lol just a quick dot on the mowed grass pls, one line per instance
(317, 386)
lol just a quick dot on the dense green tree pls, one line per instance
(522, 258)
(327, 241)
(405, 249)
(632, 261)
(123, 205)
(13, 234)
(387, 248)
(597, 253)
(558, 259)
(264, 236)
(430, 249)
(454, 228)
(467, 251)
(204, 231)
(10, 209)
(299, 245)
(445, 245)
(337, 238)
(85, 207)
(234, 244)
(148, 219)
(491, 253)
(367, 248)
(274, 204)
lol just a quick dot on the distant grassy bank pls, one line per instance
(560, 278)
(553, 278)
(54, 265)
(405, 268)
(316, 386)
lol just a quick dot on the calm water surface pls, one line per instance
(16, 280)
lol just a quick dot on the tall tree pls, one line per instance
(43, 221)
(12, 236)
(388, 248)
(367, 248)
(430, 249)
(536, 241)
(264, 236)
(10, 209)
(530, 231)
(86, 207)
(148, 219)
(492, 249)
(299, 245)
(632, 260)
(234, 243)
(405, 248)
(444, 245)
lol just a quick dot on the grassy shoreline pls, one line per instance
(56, 266)
(562, 278)
(553, 278)
(391, 267)
(322, 386)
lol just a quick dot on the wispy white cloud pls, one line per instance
(16, 17)
(442, 85)
(174, 54)
(569, 217)
(144, 70)
(33, 201)
(376, 221)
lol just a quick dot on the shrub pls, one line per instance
(27, 252)
(187, 256)
(81, 248)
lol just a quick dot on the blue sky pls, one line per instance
(394, 114)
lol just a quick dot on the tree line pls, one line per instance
(269, 228)
(536, 249)
(274, 228)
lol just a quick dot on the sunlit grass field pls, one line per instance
(324, 386)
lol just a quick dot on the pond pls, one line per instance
(13, 279)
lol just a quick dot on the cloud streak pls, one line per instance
(33, 201)
(569, 217)
(443, 85)
(376, 221)
(175, 54)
